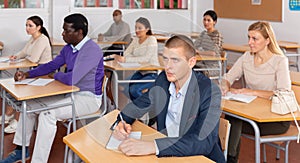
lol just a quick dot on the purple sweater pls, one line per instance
(85, 67)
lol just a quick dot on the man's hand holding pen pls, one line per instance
(122, 130)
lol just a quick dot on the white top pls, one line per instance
(145, 52)
(37, 51)
(271, 75)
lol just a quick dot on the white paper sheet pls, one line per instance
(130, 64)
(114, 143)
(239, 97)
(3, 59)
(35, 81)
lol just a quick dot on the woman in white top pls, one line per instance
(37, 50)
(143, 49)
(265, 69)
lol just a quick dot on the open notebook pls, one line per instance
(239, 97)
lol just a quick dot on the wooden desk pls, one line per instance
(115, 67)
(28, 92)
(287, 45)
(22, 64)
(258, 110)
(220, 68)
(235, 48)
(192, 35)
(89, 143)
(295, 77)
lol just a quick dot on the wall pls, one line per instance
(235, 30)
(12, 29)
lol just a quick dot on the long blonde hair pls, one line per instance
(267, 32)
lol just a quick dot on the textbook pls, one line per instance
(239, 97)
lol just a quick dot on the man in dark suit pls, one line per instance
(185, 105)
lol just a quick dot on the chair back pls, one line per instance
(224, 131)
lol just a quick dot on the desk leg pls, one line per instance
(23, 130)
(256, 133)
(73, 112)
(2, 128)
(116, 82)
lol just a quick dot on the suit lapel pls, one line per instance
(190, 106)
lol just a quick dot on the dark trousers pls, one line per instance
(238, 127)
(135, 90)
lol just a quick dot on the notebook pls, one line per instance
(114, 143)
(239, 97)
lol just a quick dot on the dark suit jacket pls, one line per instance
(198, 131)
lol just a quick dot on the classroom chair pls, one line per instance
(285, 138)
(294, 63)
(98, 114)
(224, 131)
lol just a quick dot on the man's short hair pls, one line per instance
(117, 11)
(78, 21)
(186, 43)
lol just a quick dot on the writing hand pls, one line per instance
(20, 75)
(12, 58)
(122, 131)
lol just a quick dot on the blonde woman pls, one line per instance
(265, 70)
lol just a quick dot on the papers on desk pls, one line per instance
(3, 59)
(130, 64)
(239, 97)
(17, 60)
(114, 143)
(35, 81)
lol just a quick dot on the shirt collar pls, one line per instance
(182, 90)
(80, 44)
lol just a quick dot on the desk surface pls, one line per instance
(209, 58)
(113, 65)
(23, 64)
(295, 78)
(25, 92)
(189, 34)
(235, 48)
(89, 143)
(58, 43)
(288, 45)
(258, 110)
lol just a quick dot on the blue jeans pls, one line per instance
(135, 90)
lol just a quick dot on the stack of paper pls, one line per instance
(239, 97)
(35, 81)
(130, 64)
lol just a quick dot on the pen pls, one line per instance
(122, 120)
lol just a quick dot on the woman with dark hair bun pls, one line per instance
(37, 50)
(209, 42)
(143, 49)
